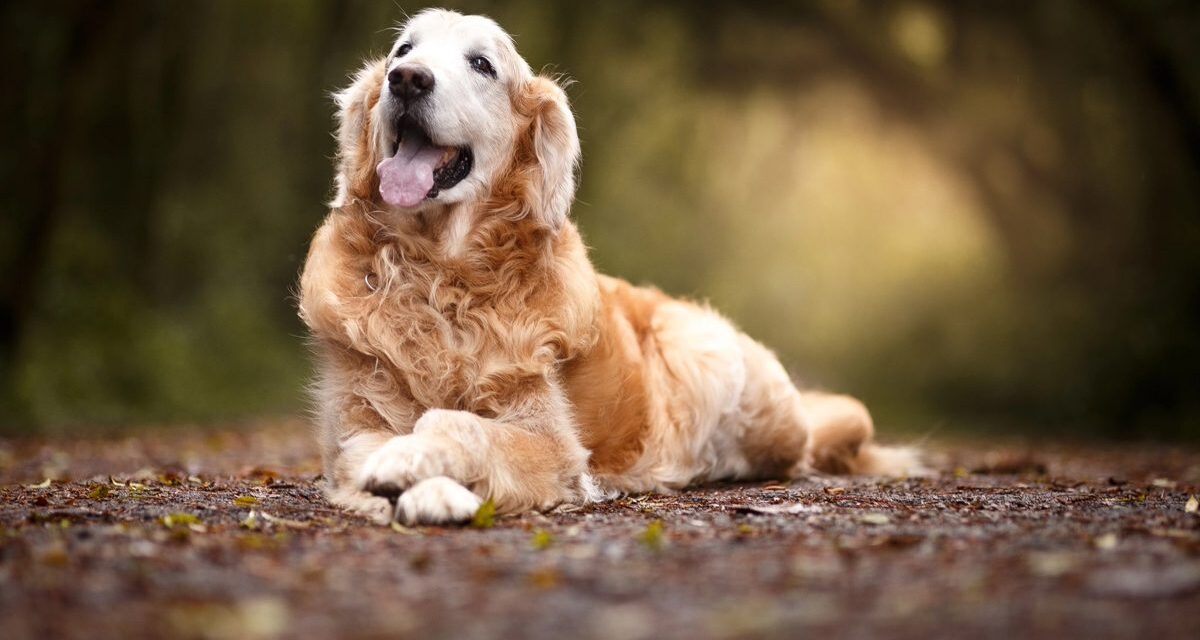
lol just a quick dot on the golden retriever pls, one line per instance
(468, 350)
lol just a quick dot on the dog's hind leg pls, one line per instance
(839, 426)
(785, 432)
(770, 421)
(841, 436)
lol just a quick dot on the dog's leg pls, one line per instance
(770, 422)
(842, 435)
(839, 427)
(344, 459)
(519, 464)
(433, 500)
(787, 432)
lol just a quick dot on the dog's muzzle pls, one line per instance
(418, 168)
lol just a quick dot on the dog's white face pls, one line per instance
(454, 116)
(444, 118)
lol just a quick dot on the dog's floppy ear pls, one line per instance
(554, 145)
(358, 148)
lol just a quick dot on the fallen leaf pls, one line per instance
(1192, 506)
(41, 485)
(263, 475)
(245, 501)
(1051, 564)
(169, 479)
(545, 578)
(172, 520)
(652, 536)
(1106, 542)
(834, 491)
(541, 539)
(250, 521)
(99, 492)
(874, 518)
(485, 515)
(399, 528)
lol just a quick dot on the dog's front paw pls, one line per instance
(437, 500)
(374, 508)
(404, 461)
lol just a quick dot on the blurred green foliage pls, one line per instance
(972, 214)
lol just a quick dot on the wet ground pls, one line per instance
(225, 535)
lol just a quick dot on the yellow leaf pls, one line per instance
(652, 535)
(485, 515)
(99, 492)
(44, 484)
(1192, 506)
(284, 522)
(399, 528)
(172, 520)
(245, 501)
(541, 539)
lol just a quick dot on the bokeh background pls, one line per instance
(979, 216)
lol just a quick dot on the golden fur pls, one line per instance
(474, 346)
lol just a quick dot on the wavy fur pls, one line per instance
(471, 345)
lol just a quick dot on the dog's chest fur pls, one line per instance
(436, 334)
(405, 330)
(454, 348)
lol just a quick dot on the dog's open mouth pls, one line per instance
(418, 168)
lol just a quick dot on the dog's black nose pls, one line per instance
(410, 81)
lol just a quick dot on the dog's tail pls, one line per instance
(879, 460)
(841, 440)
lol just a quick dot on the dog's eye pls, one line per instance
(402, 49)
(482, 65)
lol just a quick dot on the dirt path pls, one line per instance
(225, 535)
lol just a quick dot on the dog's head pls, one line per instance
(454, 116)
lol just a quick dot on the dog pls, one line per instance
(468, 351)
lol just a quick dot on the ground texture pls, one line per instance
(225, 535)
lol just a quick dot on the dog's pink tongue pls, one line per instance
(406, 178)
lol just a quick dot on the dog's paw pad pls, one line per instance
(437, 501)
